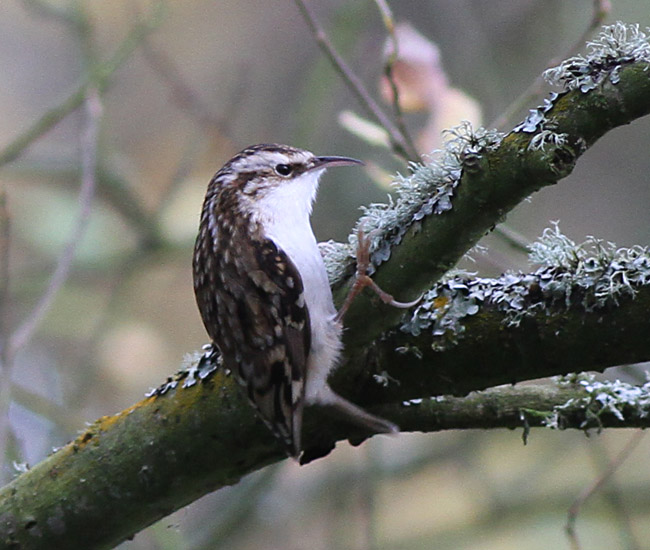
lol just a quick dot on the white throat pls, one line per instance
(293, 197)
(284, 214)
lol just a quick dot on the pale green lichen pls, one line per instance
(20, 467)
(617, 45)
(547, 138)
(601, 272)
(442, 311)
(384, 379)
(427, 190)
(591, 275)
(554, 249)
(536, 120)
(196, 367)
(608, 397)
(410, 349)
(336, 257)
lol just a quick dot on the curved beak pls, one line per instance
(327, 162)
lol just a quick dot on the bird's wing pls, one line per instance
(262, 329)
(282, 407)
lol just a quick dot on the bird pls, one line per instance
(262, 289)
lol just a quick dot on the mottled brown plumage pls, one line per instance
(262, 289)
(249, 295)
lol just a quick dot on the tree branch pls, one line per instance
(99, 79)
(197, 433)
(400, 143)
(64, 263)
(127, 471)
(493, 175)
(473, 333)
(601, 9)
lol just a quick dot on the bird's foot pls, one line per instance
(362, 279)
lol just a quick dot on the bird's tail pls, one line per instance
(359, 416)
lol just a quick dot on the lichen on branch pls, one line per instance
(591, 276)
(617, 45)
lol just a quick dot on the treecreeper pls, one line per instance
(262, 289)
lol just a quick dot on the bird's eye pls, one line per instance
(283, 169)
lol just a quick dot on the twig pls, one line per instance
(123, 273)
(60, 414)
(389, 23)
(5, 357)
(99, 80)
(513, 238)
(398, 140)
(600, 11)
(183, 169)
(88, 171)
(126, 268)
(182, 94)
(118, 193)
(613, 496)
(51, 11)
(8, 347)
(369, 479)
(614, 465)
(5, 240)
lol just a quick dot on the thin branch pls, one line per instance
(614, 465)
(5, 241)
(99, 80)
(389, 23)
(513, 238)
(616, 498)
(601, 9)
(88, 169)
(182, 171)
(237, 512)
(43, 8)
(182, 93)
(354, 83)
(487, 191)
(60, 414)
(78, 22)
(125, 269)
(129, 459)
(6, 360)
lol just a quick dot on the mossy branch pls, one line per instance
(129, 470)
(496, 174)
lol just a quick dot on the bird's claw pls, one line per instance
(362, 279)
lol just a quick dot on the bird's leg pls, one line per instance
(362, 279)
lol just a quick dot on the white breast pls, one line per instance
(284, 214)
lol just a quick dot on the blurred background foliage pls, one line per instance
(208, 79)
